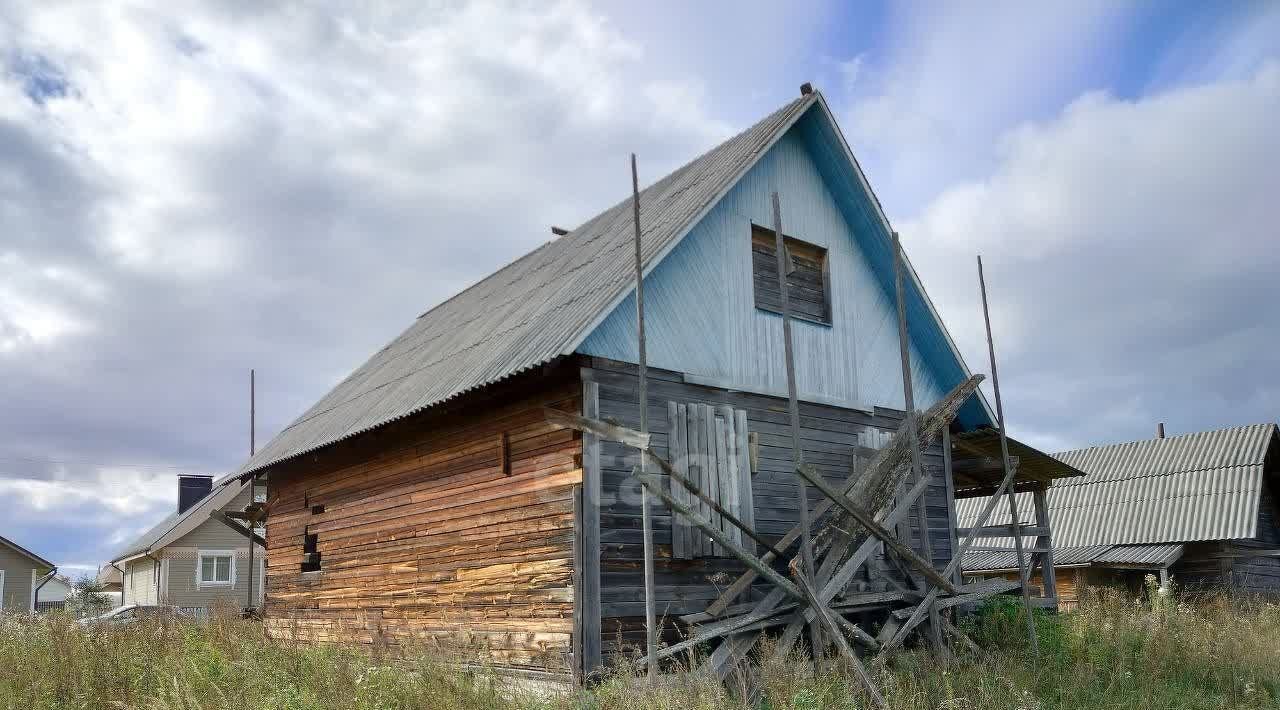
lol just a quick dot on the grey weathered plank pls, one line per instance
(587, 564)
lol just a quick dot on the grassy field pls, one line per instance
(1114, 653)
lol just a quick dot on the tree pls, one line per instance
(87, 597)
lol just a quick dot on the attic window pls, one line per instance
(808, 288)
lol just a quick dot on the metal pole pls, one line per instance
(793, 406)
(1004, 454)
(646, 518)
(913, 435)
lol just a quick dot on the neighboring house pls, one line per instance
(54, 593)
(192, 560)
(21, 573)
(1200, 508)
(428, 496)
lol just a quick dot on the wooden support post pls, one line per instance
(793, 407)
(248, 532)
(938, 416)
(839, 579)
(693, 488)
(722, 539)
(947, 476)
(646, 516)
(901, 632)
(876, 529)
(587, 565)
(824, 617)
(1004, 455)
(1045, 541)
(917, 469)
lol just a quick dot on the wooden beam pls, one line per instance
(868, 521)
(693, 488)
(917, 469)
(721, 538)
(1023, 571)
(841, 577)
(587, 565)
(900, 633)
(824, 616)
(602, 430)
(793, 408)
(221, 517)
(1044, 540)
(646, 516)
(939, 416)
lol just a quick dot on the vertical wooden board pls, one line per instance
(728, 466)
(958, 576)
(746, 502)
(712, 472)
(692, 442)
(576, 646)
(676, 432)
(589, 563)
(722, 474)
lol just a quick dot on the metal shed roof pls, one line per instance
(1201, 486)
(1152, 556)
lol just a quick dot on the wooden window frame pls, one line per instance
(201, 555)
(813, 252)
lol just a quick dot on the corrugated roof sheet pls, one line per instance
(1154, 556)
(530, 312)
(1202, 486)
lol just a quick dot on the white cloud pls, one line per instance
(190, 189)
(1131, 251)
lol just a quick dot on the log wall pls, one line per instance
(454, 528)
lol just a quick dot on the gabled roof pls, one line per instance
(543, 305)
(1194, 487)
(40, 561)
(174, 525)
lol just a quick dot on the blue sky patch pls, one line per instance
(41, 79)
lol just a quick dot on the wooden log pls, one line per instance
(938, 417)
(1023, 571)
(868, 521)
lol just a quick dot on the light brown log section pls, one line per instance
(451, 529)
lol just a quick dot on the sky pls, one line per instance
(191, 190)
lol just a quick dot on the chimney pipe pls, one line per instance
(1160, 430)
(191, 490)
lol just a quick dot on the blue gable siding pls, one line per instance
(700, 312)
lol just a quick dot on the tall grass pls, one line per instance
(1116, 652)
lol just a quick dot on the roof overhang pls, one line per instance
(26, 553)
(977, 463)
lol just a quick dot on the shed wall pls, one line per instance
(425, 533)
(686, 586)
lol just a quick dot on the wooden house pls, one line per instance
(1198, 509)
(428, 496)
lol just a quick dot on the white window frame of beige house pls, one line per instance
(201, 582)
(1, 590)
